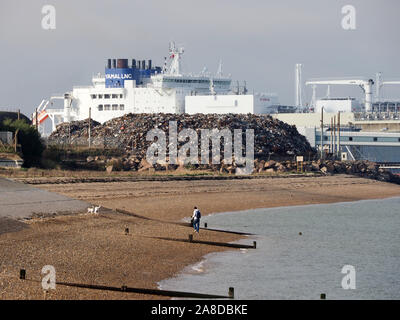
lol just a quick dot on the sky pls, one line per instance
(259, 41)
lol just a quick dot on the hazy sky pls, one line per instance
(258, 41)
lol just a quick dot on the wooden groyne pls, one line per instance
(123, 288)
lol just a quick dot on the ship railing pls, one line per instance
(377, 116)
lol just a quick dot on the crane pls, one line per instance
(391, 82)
(42, 113)
(365, 85)
(380, 83)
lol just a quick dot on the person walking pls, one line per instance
(196, 219)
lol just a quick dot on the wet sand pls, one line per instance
(93, 249)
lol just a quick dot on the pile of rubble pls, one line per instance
(74, 132)
(365, 169)
(273, 139)
(271, 136)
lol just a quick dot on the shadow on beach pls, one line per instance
(10, 225)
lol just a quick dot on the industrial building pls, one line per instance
(229, 103)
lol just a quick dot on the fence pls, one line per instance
(84, 141)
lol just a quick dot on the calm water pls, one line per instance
(286, 265)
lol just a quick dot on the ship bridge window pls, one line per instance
(93, 96)
(115, 107)
(375, 139)
(106, 96)
(100, 96)
(106, 107)
(121, 107)
(100, 107)
(350, 138)
(121, 96)
(114, 96)
(221, 82)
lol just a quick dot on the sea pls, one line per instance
(348, 250)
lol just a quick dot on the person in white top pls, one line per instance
(196, 219)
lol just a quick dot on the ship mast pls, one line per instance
(175, 54)
(219, 71)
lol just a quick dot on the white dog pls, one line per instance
(94, 209)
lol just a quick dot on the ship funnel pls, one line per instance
(122, 63)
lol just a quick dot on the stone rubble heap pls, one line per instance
(365, 169)
(272, 138)
(72, 132)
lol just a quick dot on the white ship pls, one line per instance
(141, 88)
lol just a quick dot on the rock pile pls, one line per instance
(365, 169)
(271, 136)
(273, 139)
(74, 132)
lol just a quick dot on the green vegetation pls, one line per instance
(28, 138)
(4, 148)
(75, 158)
(58, 153)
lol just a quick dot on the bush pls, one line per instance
(31, 144)
(6, 149)
(53, 153)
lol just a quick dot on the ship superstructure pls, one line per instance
(139, 87)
